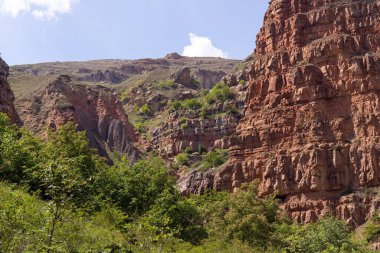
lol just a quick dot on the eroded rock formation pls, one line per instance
(188, 131)
(208, 78)
(6, 95)
(94, 109)
(311, 127)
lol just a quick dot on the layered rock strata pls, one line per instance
(310, 130)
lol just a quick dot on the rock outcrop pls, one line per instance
(186, 130)
(311, 130)
(183, 77)
(95, 110)
(108, 76)
(174, 56)
(6, 95)
(189, 129)
(208, 78)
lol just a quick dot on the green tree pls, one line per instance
(326, 235)
(25, 223)
(66, 172)
(19, 150)
(173, 214)
(243, 216)
(134, 188)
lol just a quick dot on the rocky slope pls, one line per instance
(6, 95)
(95, 110)
(310, 130)
(150, 84)
(188, 129)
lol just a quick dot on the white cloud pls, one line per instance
(41, 9)
(202, 47)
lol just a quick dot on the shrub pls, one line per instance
(326, 235)
(188, 104)
(372, 229)
(231, 110)
(145, 110)
(242, 82)
(140, 127)
(201, 149)
(192, 104)
(165, 85)
(215, 158)
(184, 126)
(176, 105)
(220, 93)
(182, 159)
(188, 150)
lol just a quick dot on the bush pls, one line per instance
(242, 82)
(140, 127)
(372, 229)
(188, 150)
(175, 106)
(220, 93)
(184, 126)
(215, 158)
(231, 110)
(166, 85)
(327, 235)
(145, 110)
(192, 104)
(182, 159)
(188, 104)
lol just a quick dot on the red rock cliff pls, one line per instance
(94, 109)
(311, 124)
(6, 95)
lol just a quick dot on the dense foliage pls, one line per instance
(57, 195)
(218, 94)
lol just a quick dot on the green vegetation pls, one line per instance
(215, 158)
(188, 104)
(372, 229)
(242, 82)
(57, 195)
(166, 85)
(145, 110)
(182, 159)
(221, 93)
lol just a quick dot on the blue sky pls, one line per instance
(74, 30)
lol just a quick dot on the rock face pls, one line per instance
(311, 128)
(108, 76)
(183, 77)
(208, 78)
(173, 56)
(188, 131)
(95, 110)
(6, 95)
